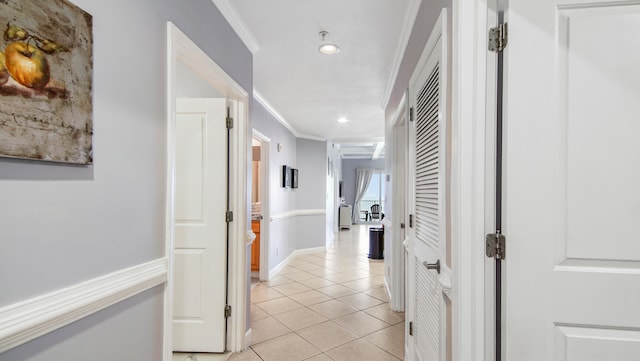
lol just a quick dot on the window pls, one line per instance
(373, 195)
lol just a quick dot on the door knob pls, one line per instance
(435, 266)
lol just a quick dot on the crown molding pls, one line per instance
(370, 140)
(408, 21)
(312, 137)
(236, 22)
(260, 99)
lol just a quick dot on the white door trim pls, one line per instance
(239, 266)
(181, 48)
(469, 178)
(265, 224)
(398, 197)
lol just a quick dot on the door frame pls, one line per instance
(181, 48)
(399, 169)
(265, 143)
(472, 178)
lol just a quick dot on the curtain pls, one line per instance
(363, 178)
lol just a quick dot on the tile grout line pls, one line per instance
(343, 269)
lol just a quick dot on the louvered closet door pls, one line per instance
(427, 233)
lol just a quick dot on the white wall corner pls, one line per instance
(387, 289)
(248, 339)
(330, 239)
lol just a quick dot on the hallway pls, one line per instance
(326, 306)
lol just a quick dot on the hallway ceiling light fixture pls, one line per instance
(343, 120)
(327, 48)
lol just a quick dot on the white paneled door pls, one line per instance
(200, 226)
(429, 270)
(572, 181)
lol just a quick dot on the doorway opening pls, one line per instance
(260, 216)
(202, 100)
(372, 203)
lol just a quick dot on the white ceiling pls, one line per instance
(309, 91)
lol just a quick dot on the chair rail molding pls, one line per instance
(297, 213)
(26, 320)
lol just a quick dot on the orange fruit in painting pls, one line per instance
(27, 65)
(4, 73)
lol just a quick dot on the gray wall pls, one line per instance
(312, 192)
(312, 165)
(310, 158)
(63, 224)
(282, 234)
(192, 85)
(349, 167)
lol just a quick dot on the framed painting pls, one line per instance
(46, 72)
(286, 176)
(294, 178)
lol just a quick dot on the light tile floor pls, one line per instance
(326, 306)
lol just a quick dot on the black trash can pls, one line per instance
(376, 243)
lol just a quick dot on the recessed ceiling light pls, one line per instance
(343, 120)
(327, 48)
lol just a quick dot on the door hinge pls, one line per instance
(411, 114)
(410, 328)
(498, 38)
(411, 221)
(227, 311)
(229, 123)
(496, 245)
(229, 216)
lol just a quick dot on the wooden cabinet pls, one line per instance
(255, 247)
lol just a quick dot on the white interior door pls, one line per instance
(572, 181)
(427, 231)
(200, 226)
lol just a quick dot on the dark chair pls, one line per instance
(375, 212)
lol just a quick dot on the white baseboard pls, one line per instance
(26, 320)
(298, 252)
(332, 238)
(182, 356)
(247, 339)
(387, 289)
